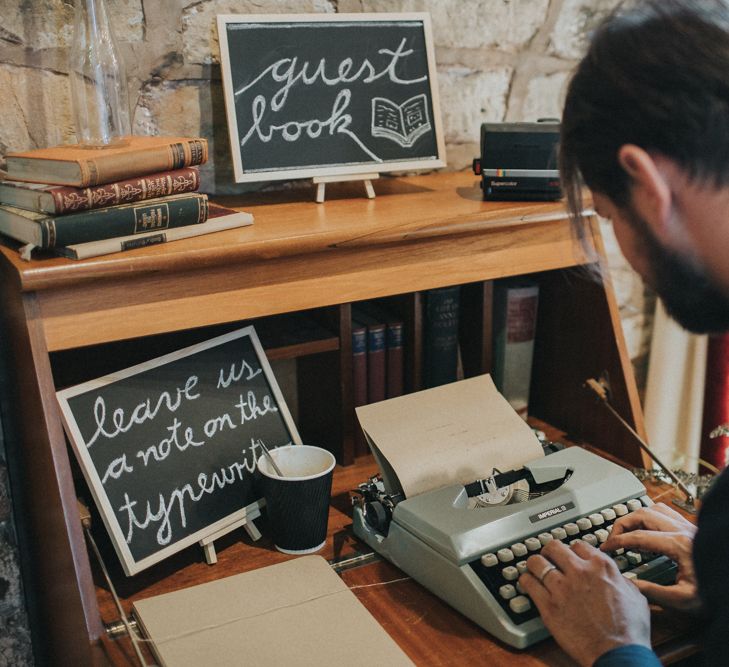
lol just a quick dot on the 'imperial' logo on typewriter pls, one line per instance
(551, 512)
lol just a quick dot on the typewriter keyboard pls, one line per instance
(500, 569)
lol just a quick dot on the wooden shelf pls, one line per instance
(294, 335)
(65, 322)
(420, 233)
(286, 336)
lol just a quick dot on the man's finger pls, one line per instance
(546, 572)
(534, 589)
(675, 597)
(586, 551)
(643, 518)
(668, 511)
(561, 555)
(668, 544)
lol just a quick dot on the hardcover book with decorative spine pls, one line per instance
(359, 380)
(63, 199)
(515, 321)
(376, 366)
(47, 231)
(394, 359)
(442, 307)
(219, 219)
(83, 167)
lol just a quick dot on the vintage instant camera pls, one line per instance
(519, 161)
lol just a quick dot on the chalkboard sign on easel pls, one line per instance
(168, 447)
(325, 95)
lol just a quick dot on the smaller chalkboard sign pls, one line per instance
(168, 447)
(322, 95)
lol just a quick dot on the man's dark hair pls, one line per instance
(657, 76)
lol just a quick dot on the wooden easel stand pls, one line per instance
(321, 183)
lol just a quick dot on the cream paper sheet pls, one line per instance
(456, 433)
(298, 612)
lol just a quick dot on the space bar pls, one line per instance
(661, 570)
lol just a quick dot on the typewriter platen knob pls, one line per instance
(376, 516)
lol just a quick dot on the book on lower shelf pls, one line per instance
(71, 164)
(359, 381)
(376, 360)
(46, 231)
(440, 336)
(394, 357)
(63, 199)
(515, 320)
(219, 219)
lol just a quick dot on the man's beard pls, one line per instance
(690, 296)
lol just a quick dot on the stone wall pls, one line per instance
(497, 60)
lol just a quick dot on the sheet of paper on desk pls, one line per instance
(298, 612)
(455, 433)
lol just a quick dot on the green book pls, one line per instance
(440, 335)
(515, 321)
(48, 231)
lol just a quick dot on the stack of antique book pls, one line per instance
(82, 202)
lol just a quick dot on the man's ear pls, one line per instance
(650, 190)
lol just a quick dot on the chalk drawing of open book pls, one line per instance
(404, 124)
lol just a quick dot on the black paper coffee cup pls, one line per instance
(298, 502)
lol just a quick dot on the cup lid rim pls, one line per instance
(296, 479)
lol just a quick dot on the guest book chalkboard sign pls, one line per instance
(168, 447)
(330, 94)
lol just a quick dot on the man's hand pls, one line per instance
(662, 530)
(587, 605)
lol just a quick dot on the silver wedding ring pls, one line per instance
(545, 572)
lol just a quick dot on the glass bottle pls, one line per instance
(98, 79)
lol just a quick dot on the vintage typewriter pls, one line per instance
(469, 543)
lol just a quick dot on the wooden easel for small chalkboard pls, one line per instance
(321, 183)
(207, 543)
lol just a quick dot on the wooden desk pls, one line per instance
(419, 233)
(432, 633)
